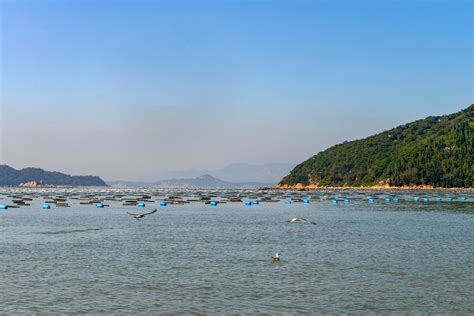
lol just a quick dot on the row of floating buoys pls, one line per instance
(372, 200)
(213, 199)
(438, 199)
(102, 205)
(249, 203)
(307, 201)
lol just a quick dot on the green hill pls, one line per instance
(436, 151)
(13, 177)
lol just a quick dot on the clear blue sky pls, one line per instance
(129, 89)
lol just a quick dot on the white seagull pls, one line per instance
(276, 257)
(300, 219)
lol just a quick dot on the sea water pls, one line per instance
(194, 258)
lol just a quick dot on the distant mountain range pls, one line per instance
(236, 175)
(204, 181)
(236, 172)
(437, 151)
(34, 176)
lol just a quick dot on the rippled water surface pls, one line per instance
(195, 258)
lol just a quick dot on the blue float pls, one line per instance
(288, 202)
(255, 202)
(450, 199)
(387, 199)
(462, 198)
(3, 207)
(426, 200)
(416, 199)
(371, 200)
(248, 203)
(46, 206)
(163, 203)
(100, 205)
(334, 202)
(346, 201)
(395, 200)
(305, 201)
(213, 203)
(141, 204)
(438, 199)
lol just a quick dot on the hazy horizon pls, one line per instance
(130, 89)
(223, 173)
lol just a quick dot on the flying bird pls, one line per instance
(300, 219)
(138, 216)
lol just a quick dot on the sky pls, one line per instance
(130, 89)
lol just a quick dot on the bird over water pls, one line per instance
(300, 220)
(138, 216)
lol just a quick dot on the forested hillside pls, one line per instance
(436, 151)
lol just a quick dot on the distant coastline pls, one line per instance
(37, 177)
